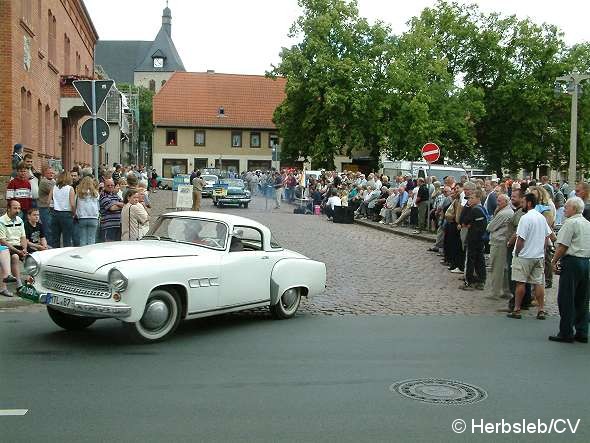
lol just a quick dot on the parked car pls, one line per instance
(234, 192)
(189, 265)
(208, 189)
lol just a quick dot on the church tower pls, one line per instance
(161, 60)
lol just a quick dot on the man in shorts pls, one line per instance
(528, 256)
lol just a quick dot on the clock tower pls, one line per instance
(161, 60)
(142, 63)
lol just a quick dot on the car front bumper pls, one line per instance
(85, 306)
(229, 201)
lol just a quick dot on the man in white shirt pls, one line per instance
(528, 256)
(14, 237)
(333, 200)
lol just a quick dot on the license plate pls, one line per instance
(59, 300)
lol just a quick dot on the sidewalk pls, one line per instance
(406, 232)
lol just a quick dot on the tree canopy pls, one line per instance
(479, 85)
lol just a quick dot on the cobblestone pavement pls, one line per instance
(369, 271)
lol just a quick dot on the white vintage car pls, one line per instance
(190, 265)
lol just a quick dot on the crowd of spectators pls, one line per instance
(70, 208)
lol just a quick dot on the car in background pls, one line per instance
(210, 180)
(231, 191)
(189, 265)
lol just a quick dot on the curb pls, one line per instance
(13, 302)
(423, 237)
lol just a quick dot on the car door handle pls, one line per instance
(265, 257)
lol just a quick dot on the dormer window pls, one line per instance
(158, 62)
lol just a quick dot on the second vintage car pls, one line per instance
(190, 265)
(231, 191)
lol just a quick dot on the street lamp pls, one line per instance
(573, 81)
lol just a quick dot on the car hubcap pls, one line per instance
(289, 299)
(156, 315)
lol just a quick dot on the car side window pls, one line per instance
(246, 238)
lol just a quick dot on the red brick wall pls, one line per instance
(41, 80)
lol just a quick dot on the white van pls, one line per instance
(422, 169)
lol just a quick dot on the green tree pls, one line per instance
(334, 83)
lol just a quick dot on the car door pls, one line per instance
(245, 273)
(203, 282)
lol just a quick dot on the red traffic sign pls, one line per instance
(430, 152)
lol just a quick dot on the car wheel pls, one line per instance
(245, 205)
(287, 305)
(160, 319)
(68, 321)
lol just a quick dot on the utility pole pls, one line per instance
(573, 81)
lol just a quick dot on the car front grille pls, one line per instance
(76, 285)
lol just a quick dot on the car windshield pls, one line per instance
(209, 178)
(236, 183)
(208, 233)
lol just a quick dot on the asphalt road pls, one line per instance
(313, 378)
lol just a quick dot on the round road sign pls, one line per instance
(430, 152)
(102, 131)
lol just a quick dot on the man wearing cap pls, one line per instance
(573, 253)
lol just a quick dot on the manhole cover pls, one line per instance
(439, 391)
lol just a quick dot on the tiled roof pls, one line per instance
(193, 99)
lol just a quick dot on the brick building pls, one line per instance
(44, 45)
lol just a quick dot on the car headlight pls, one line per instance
(117, 280)
(31, 266)
(247, 193)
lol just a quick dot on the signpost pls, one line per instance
(94, 93)
(430, 154)
(102, 131)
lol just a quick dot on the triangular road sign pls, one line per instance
(84, 88)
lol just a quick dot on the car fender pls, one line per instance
(297, 273)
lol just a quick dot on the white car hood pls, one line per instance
(90, 258)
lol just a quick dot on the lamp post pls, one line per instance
(573, 81)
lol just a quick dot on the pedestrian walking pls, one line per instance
(278, 188)
(572, 255)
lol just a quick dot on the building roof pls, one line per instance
(119, 58)
(193, 99)
(163, 46)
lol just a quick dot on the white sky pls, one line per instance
(246, 36)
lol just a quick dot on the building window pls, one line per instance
(174, 166)
(48, 147)
(171, 139)
(66, 55)
(153, 85)
(51, 36)
(255, 139)
(86, 71)
(40, 127)
(56, 131)
(27, 11)
(78, 63)
(273, 140)
(199, 137)
(163, 83)
(200, 163)
(236, 139)
(23, 115)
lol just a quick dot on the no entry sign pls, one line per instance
(430, 152)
